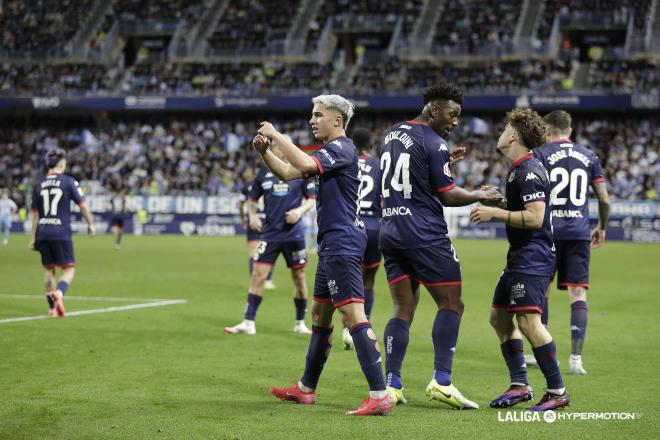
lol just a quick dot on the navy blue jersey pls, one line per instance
(260, 208)
(51, 198)
(414, 162)
(531, 251)
(370, 191)
(341, 231)
(118, 204)
(279, 198)
(572, 168)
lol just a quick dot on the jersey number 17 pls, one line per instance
(50, 204)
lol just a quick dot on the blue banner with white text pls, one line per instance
(219, 216)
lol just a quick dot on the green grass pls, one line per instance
(170, 372)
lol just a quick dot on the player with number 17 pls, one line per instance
(51, 227)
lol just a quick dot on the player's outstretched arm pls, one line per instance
(529, 218)
(458, 196)
(296, 157)
(598, 233)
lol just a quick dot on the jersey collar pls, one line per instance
(364, 156)
(334, 139)
(417, 123)
(521, 160)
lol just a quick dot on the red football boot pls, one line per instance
(294, 394)
(373, 407)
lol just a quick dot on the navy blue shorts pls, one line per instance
(56, 253)
(573, 263)
(372, 254)
(517, 292)
(295, 253)
(252, 235)
(435, 265)
(338, 280)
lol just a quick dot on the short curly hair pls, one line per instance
(442, 90)
(529, 125)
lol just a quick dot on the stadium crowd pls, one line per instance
(249, 25)
(625, 76)
(132, 10)
(39, 27)
(493, 77)
(252, 78)
(188, 156)
(477, 27)
(389, 76)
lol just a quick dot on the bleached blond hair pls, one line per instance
(339, 103)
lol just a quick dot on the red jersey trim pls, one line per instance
(417, 123)
(318, 163)
(398, 279)
(517, 309)
(598, 180)
(359, 326)
(371, 266)
(349, 300)
(440, 283)
(525, 309)
(446, 188)
(521, 160)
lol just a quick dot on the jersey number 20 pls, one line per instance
(576, 181)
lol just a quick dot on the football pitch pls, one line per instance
(162, 367)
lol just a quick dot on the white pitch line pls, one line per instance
(104, 310)
(82, 298)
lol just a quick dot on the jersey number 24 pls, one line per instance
(400, 181)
